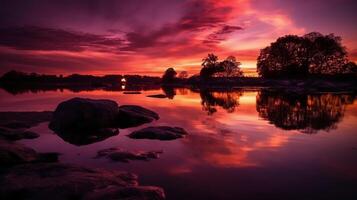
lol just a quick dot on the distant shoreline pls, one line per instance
(17, 82)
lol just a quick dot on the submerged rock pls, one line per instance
(160, 96)
(134, 193)
(121, 155)
(132, 92)
(11, 134)
(84, 114)
(14, 154)
(131, 116)
(87, 137)
(22, 120)
(62, 181)
(159, 133)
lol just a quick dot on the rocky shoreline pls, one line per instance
(28, 174)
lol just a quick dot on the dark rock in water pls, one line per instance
(131, 92)
(20, 120)
(159, 133)
(87, 137)
(84, 114)
(10, 134)
(160, 96)
(131, 116)
(14, 154)
(61, 181)
(136, 192)
(16, 125)
(30, 135)
(124, 156)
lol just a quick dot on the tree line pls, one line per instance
(290, 56)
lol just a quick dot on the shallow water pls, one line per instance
(243, 144)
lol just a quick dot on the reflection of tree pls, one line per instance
(226, 100)
(306, 112)
(169, 91)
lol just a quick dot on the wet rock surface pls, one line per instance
(160, 96)
(83, 121)
(14, 154)
(84, 114)
(136, 192)
(131, 116)
(22, 120)
(132, 92)
(17, 134)
(78, 137)
(120, 155)
(62, 181)
(159, 133)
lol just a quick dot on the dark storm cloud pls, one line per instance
(221, 34)
(39, 38)
(198, 16)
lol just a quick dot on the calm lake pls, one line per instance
(242, 144)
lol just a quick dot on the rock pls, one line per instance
(30, 135)
(87, 137)
(160, 96)
(14, 154)
(159, 133)
(20, 120)
(137, 193)
(124, 156)
(131, 92)
(16, 125)
(62, 181)
(10, 134)
(131, 116)
(84, 114)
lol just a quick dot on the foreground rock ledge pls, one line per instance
(14, 154)
(62, 181)
(159, 133)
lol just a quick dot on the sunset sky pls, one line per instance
(145, 37)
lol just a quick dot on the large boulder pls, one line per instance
(159, 133)
(84, 114)
(131, 116)
(14, 154)
(62, 181)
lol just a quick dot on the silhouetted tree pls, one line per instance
(294, 56)
(183, 75)
(169, 75)
(350, 68)
(231, 67)
(227, 68)
(210, 66)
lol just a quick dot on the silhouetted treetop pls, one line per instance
(309, 55)
(227, 68)
(169, 75)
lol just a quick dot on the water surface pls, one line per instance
(243, 144)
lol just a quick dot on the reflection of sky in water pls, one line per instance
(227, 154)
